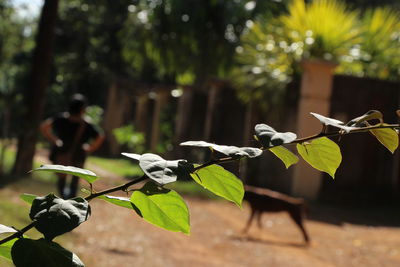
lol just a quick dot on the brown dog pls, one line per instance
(265, 200)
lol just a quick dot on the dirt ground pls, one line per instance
(340, 236)
(115, 236)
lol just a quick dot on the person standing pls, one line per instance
(73, 137)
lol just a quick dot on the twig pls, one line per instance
(117, 188)
(18, 234)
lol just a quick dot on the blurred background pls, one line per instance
(161, 72)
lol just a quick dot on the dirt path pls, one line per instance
(116, 236)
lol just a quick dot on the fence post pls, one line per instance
(315, 96)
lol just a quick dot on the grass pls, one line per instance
(15, 212)
(121, 167)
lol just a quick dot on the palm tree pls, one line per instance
(365, 44)
(378, 53)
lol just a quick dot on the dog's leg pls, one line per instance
(246, 228)
(297, 217)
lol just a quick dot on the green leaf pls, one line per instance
(287, 157)
(27, 252)
(363, 120)
(162, 207)
(387, 137)
(55, 216)
(82, 173)
(119, 201)
(28, 198)
(5, 249)
(269, 137)
(322, 153)
(221, 182)
(250, 152)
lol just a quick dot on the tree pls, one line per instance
(15, 45)
(36, 89)
(366, 44)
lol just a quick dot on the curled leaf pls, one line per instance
(332, 122)
(5, 230)
(250, 152)
(55, 216)
(269, 137)
(79, 172)
(363, 120)
(132, 156)
(158, 169)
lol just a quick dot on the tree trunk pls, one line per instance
(35, 95)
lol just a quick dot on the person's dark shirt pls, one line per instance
(66, 130)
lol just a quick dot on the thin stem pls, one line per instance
(18, 234)
(332, 134)
(117, 188)
(217, 161)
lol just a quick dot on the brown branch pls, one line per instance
(302, 140)
(117, 188)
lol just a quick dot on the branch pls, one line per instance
(117, 188)
(18, 234)
(302, 140)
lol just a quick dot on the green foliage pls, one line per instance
(377, 55)
(28, 198)
(221, 182)
(5, 249)
(54, 216)
(315, 26)
(387, 137)
(87, 175)
(28, 252)
(287, 157)
(127, 136)
(119, 201)
(95, 115)
(162, 207)
(321, 153)
(365, 44)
